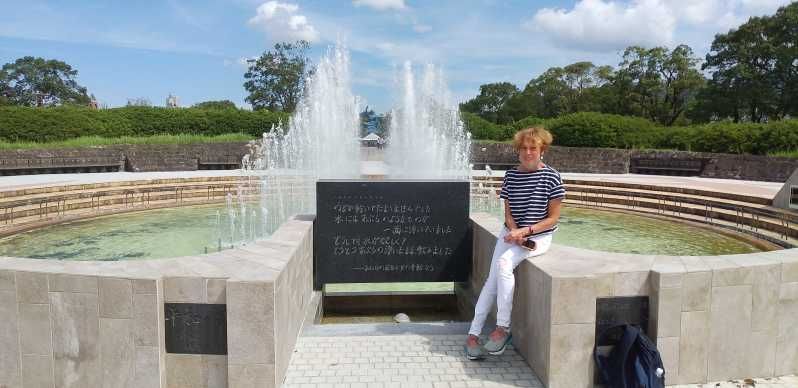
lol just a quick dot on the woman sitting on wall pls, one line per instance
(532, 194)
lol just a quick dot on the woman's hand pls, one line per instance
(516, 236)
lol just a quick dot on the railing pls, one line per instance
(743, 219)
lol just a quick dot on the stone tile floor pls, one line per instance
(409, 360)
(774, 382)
(386, 355)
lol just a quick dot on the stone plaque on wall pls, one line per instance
(391, 231)
(613, 311)
(194, 328)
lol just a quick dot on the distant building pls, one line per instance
(372, 140)
(172, 101)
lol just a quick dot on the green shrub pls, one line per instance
(29, 124)
(482, 129)
(531, 121)
(589, 129)
(93, 141)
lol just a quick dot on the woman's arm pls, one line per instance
(508, 216)
(518, 235)
(552, 219)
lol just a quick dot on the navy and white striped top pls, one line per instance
(529, 193)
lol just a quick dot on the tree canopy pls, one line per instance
(754, 70)
(276, 79)
(753, 76)
(217, 105)
(31, 81)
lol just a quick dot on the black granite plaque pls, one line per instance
(194, 328)
(391, 231)
(631, 310)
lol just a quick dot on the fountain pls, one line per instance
(428, 140)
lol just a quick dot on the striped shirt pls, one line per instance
(529, 193)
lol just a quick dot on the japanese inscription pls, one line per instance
(612, 311)
(194, 328)
(392, 231)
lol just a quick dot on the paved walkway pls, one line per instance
(390, 355)
(420, 355)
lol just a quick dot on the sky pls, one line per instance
(197, 49)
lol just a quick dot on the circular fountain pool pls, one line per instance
(201, 229)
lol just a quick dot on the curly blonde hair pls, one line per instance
(537, 135)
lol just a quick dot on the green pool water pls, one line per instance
(611, 231)
(149, 234)
(197, 230)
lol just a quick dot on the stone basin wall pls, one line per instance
(101, 324)
(712, 317)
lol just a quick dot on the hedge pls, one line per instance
(584, 129)
(29, 124)
(589, 129)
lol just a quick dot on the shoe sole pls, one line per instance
(501, 350)
(473, 358)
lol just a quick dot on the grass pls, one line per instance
(93, 141)
(787, 154)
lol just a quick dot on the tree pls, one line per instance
(33, 81)
(583, 80)
(657, 84)
(755, 69)
(276, 79)
(546, 93)
(490, 101)
(216, 105)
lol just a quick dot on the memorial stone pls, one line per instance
(195, 328)
(391, 231)
(632, 310)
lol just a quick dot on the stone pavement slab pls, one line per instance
(773, 382)
(399, 355)
(419, 355)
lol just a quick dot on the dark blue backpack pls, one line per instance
(634, 362)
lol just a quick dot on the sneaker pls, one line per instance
(474, 352)
(496, 347)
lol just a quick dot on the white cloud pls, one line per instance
(761, 7)
(381, 5)
(386, 47)
(600, 25)
(242, 61)
(421, 28)
(282, 22)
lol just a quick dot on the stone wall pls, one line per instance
(712, 317)
(187, 157)
(732, 166)
(500, 156)
(154, 157)
(182, 157)
(101, 324)
(615, 161)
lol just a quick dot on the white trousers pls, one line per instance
(500, 284)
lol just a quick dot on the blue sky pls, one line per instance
(195, 49)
